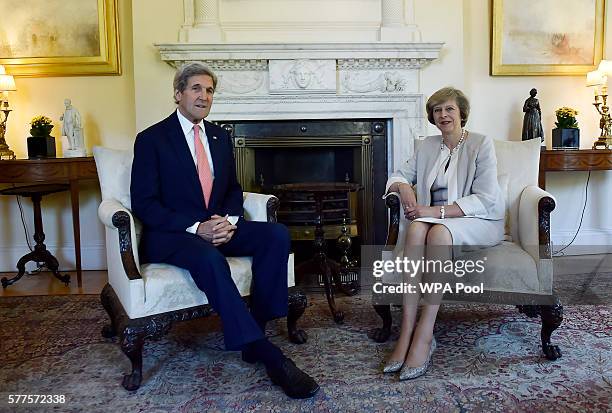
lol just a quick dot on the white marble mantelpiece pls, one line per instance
(271, 81)
(413, 54)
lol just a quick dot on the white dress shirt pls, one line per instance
(187, 127)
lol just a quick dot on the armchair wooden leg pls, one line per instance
(552, 317)
(109, 330)
(380, 335)
(131, 344)
(297, 305)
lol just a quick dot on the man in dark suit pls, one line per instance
(185, 192)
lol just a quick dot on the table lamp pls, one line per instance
(7, 83)
(599, 79)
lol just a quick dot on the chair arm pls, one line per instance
(392, 199)
(260, 207)
(116, 217)
(534, 228)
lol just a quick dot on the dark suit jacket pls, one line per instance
(165, 190)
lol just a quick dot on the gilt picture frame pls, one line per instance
(546, 37)
(41, 38)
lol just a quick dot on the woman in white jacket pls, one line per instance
(457, 202)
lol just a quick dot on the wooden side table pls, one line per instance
(573, 160)
(319, 194)
(40, 252)
(55, 170)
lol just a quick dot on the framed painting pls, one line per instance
(59, 37)
(546, 37)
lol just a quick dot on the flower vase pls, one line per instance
(566, 138)
(41, 147)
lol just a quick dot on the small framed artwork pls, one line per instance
(546, 37)
(59, 37)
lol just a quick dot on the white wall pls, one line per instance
(154, 21)
(497, 103)
(115, 107)
(106, 104)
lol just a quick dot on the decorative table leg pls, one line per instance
(322, 260)
(53, 265)
(21, 269)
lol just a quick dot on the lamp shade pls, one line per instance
(595, 78)
(6, 81)
(605, 67)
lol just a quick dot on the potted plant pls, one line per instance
(41, 144)
(566, 135)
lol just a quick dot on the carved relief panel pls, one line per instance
(302, 76)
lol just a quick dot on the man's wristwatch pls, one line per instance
(442, 212)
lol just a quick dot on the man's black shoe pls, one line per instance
(294, 382)
(249, 357)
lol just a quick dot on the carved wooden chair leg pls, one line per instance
(552, 317)
(530, 311)
(297, 305)
(109, 330)
(380, 335)
(131, 345)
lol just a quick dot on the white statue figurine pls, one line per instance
(73, 131)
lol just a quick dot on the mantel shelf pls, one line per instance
(415, 54)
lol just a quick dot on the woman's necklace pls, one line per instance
(456, 148)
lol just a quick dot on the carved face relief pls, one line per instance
(302, 74)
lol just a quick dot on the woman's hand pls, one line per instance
(407, 195)
(420, 211)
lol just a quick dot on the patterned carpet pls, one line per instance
(488, 359)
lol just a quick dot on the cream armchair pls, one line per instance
(519, 270)
(143, 300)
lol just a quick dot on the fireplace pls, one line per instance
(271, 153)
(352, 109)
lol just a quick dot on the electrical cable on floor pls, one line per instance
(23, 222)
(586, 197)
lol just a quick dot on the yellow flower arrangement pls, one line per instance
(566, 118)
(41, 126)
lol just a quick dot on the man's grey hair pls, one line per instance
(183, 73)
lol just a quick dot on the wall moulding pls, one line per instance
(299, 20)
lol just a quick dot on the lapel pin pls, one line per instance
(214, 137)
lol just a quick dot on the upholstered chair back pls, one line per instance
(114, 172)
(517, 168)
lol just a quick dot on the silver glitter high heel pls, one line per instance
(408, 373)
(392, 366)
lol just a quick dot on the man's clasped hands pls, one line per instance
(217, 230)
